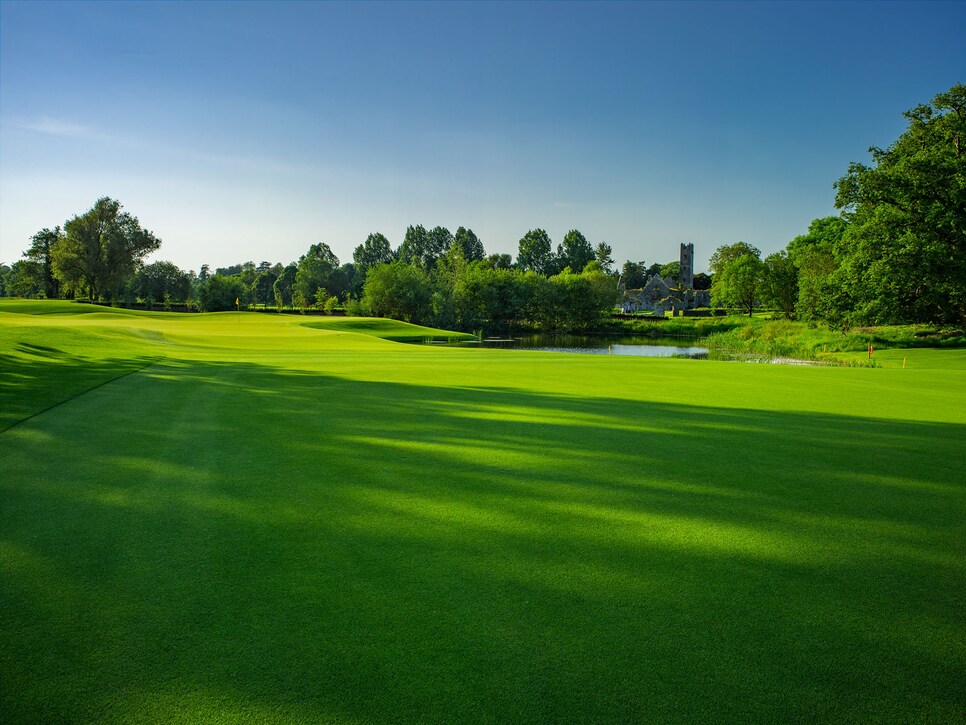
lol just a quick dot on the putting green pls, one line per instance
(241, 517)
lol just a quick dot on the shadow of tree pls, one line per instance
(262, 543)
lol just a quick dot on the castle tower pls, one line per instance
(687, 265)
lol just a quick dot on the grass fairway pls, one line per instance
(241, 518)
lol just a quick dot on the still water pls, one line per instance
(603, 345)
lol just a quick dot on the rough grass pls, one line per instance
(276, 523)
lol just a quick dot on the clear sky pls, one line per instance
(248, 131)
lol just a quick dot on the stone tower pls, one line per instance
(687, 265)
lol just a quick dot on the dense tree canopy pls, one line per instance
(902, 257)
(575, 252)
(738, 276)
(535, 252)
(101, 250)
(161, 282)
(41, 253)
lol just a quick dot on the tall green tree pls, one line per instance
(737, 276)
(574, 252)
(422, 248)
(101, 250)
(634, 274)
(218, 293)
(398, 290)
(375, 250)
(314, 269)
(815, 256)
(535, 252)
(603, 253)
(263, 288)
(41, 253)
(470, 245)
(282, 288)
(779, 284)
(903, 254)
(161, 280)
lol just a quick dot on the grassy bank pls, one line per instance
(224, 518)
(786, 338)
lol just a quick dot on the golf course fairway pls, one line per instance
(243, 517)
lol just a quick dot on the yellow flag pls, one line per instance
(236, 302)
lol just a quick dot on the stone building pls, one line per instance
(659, 296)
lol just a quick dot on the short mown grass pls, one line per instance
(241, 518)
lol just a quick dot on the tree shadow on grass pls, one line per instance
(259, 543)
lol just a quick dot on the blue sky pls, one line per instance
(248, 131)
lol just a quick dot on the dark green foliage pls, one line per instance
(398, 290)
(263, 288)
(575, 252)
(374, 251)
(423, 248)
(315, 268)
(469, 244)
(500, 261)
(217, 294)
(814, 255)
(670, 272)
(779, 288)
(101, 250)
(903, 254)
(535, 252)
(603, 253)
(282, 288)
(23, 279)
(738, 276)
(634, 274)
(159, 281)
(40, 252)
(570, 302)
(496, 299)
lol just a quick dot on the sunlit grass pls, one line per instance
(272, 522)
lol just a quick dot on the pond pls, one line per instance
(639, 345)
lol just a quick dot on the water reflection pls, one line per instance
(602, 345)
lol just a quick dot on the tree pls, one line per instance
(670, 272)
(737, 278)
(422, 249)
(23, 279)
(500, 261)
(814, 256)
(375, 250)
(41, 248)
(101, 250)
(633, 274)
(535, 252)
(469, 244)
(574, 302)
(314, 269)
(159, 281)
(575, 252)
(903, 254)
(602, 253)
(397, 290)
(727, 253)
(702, 281)
(263, 288)
(779, 286)
(218, 293)
(282, 288)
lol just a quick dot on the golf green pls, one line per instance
(270, 518)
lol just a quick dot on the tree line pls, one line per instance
(895, 254)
